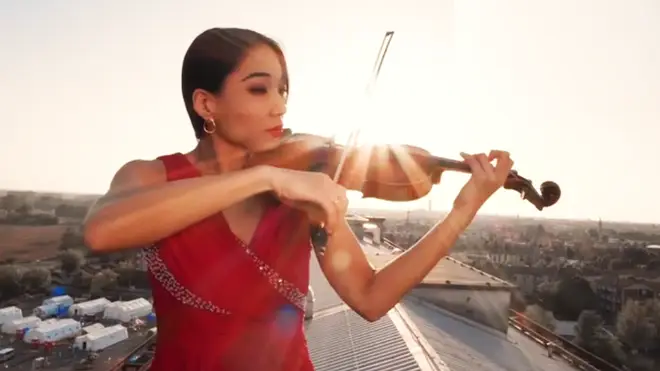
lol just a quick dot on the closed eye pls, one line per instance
(258, 90)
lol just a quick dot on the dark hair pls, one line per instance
(211, 57)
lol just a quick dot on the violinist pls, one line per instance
(229, 249)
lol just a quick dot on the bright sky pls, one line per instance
(570, 88)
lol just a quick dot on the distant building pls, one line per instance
(514, 253)
(614, 291)
(529, 278)
(356, 223)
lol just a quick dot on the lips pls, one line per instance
(276, 132)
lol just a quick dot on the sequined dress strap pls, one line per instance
(179, 167)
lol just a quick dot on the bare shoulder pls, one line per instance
(138, 174)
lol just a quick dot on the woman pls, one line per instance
(229, 262)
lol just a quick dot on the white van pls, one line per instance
(6, 354)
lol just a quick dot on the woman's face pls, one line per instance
(250, 107)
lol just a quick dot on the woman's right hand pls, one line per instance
(323, 200)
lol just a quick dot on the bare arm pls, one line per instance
(373, 293)
(141, 207)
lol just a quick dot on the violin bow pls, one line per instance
(319, 236)
(353, 137)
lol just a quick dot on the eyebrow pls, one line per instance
(256, 74)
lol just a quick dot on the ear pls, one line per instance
(204, 103)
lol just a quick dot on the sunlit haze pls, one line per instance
(570, 88)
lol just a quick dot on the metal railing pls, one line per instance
(574, 354)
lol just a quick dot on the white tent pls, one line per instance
(19, 324)
(129, 310)
(65, 300)
(111, 310)
(54, 331)
(89, 308)
(9, 314)
(93, 328)
(99, 340)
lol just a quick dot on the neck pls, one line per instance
(216, 156)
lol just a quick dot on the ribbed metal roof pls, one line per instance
(343, 341)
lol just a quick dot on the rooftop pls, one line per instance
(448, 271)
(46, 326)
(416, 334)
(105, 331)
(466, 346)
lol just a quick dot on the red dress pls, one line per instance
(223, 305)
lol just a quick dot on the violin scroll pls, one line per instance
(550, 192)
(549, 195)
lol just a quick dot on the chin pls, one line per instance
(264, 145)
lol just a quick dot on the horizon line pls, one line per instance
(394, 210)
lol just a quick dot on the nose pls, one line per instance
(279, 109)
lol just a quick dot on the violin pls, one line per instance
(396, 173)
(385, 172)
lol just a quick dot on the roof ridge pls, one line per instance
(432, 356)
(471, 267)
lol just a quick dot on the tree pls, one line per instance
(10, 202)
(130, 276)
(24, 209)
(541, 316)
(71, 260)
(653, 265)
(36, 279)
(574, 295)
(71, 239)
(587, 329)
(591, 336)
(634, 327)
(82, 279)
(636, 255)
(653, 313)
(71, 211)
(106, 279)
(518, 301)
(47, 203)
(618, 264)
(10, 282)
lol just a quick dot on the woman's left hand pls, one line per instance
(485, 179)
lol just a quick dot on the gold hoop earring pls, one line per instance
(209, 126)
